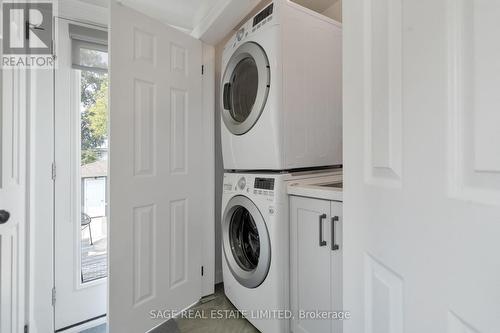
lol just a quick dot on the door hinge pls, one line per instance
(202, 69)
(26, 329)
(202, 271)
(53, 45)
(54, 171)
(53, 296)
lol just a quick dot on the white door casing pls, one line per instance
(75, 301)
(421, 166)
(158, 170)
(13, 183)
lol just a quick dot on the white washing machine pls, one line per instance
(281, 91)
(255, 242)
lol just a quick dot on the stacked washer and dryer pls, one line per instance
(281, 101)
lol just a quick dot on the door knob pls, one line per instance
(4, 216)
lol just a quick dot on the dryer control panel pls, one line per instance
(264, 17)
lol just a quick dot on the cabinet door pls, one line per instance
(310, 263)
(336, 222)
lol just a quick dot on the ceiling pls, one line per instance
(100, 3)
(184, 14)
(208, 20)
(316, 5)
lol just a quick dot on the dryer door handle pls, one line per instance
(227, 96)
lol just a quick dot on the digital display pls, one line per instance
(263, 14)
(264, 183)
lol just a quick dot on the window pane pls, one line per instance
(93, 170)
(93, 58)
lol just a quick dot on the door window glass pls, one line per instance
(93, 171)
(244, 86)
(244, 239)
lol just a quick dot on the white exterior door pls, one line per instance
(422, 166)
(157, 170)
(12, 200)
(80, 261)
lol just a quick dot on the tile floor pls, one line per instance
(209, 325)
(218, 302)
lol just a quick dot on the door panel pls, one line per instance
(12, 199)
(156, 170)
(421, 169)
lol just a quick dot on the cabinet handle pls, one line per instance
(335, 246)
(321, 241)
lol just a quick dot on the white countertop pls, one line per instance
(313, 188)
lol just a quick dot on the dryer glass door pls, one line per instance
(245, 87)
(246, 242)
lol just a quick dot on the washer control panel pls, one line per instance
(240, 34)
(260, 186)
(242, 183)
(264, 186)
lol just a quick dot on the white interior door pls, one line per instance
(157, 170)
(422, 166)
(12, 199)
(80, 249)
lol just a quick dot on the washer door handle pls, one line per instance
(322, 242)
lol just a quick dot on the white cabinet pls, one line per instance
(316, 264)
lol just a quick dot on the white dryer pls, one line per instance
(255, 241)
(281, 95)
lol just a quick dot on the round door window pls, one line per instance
(246, 242)
(245, 87)
(244, 83)
(244, 239)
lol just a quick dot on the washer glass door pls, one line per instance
(246, 242)
(245, 87)
(244, 239)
